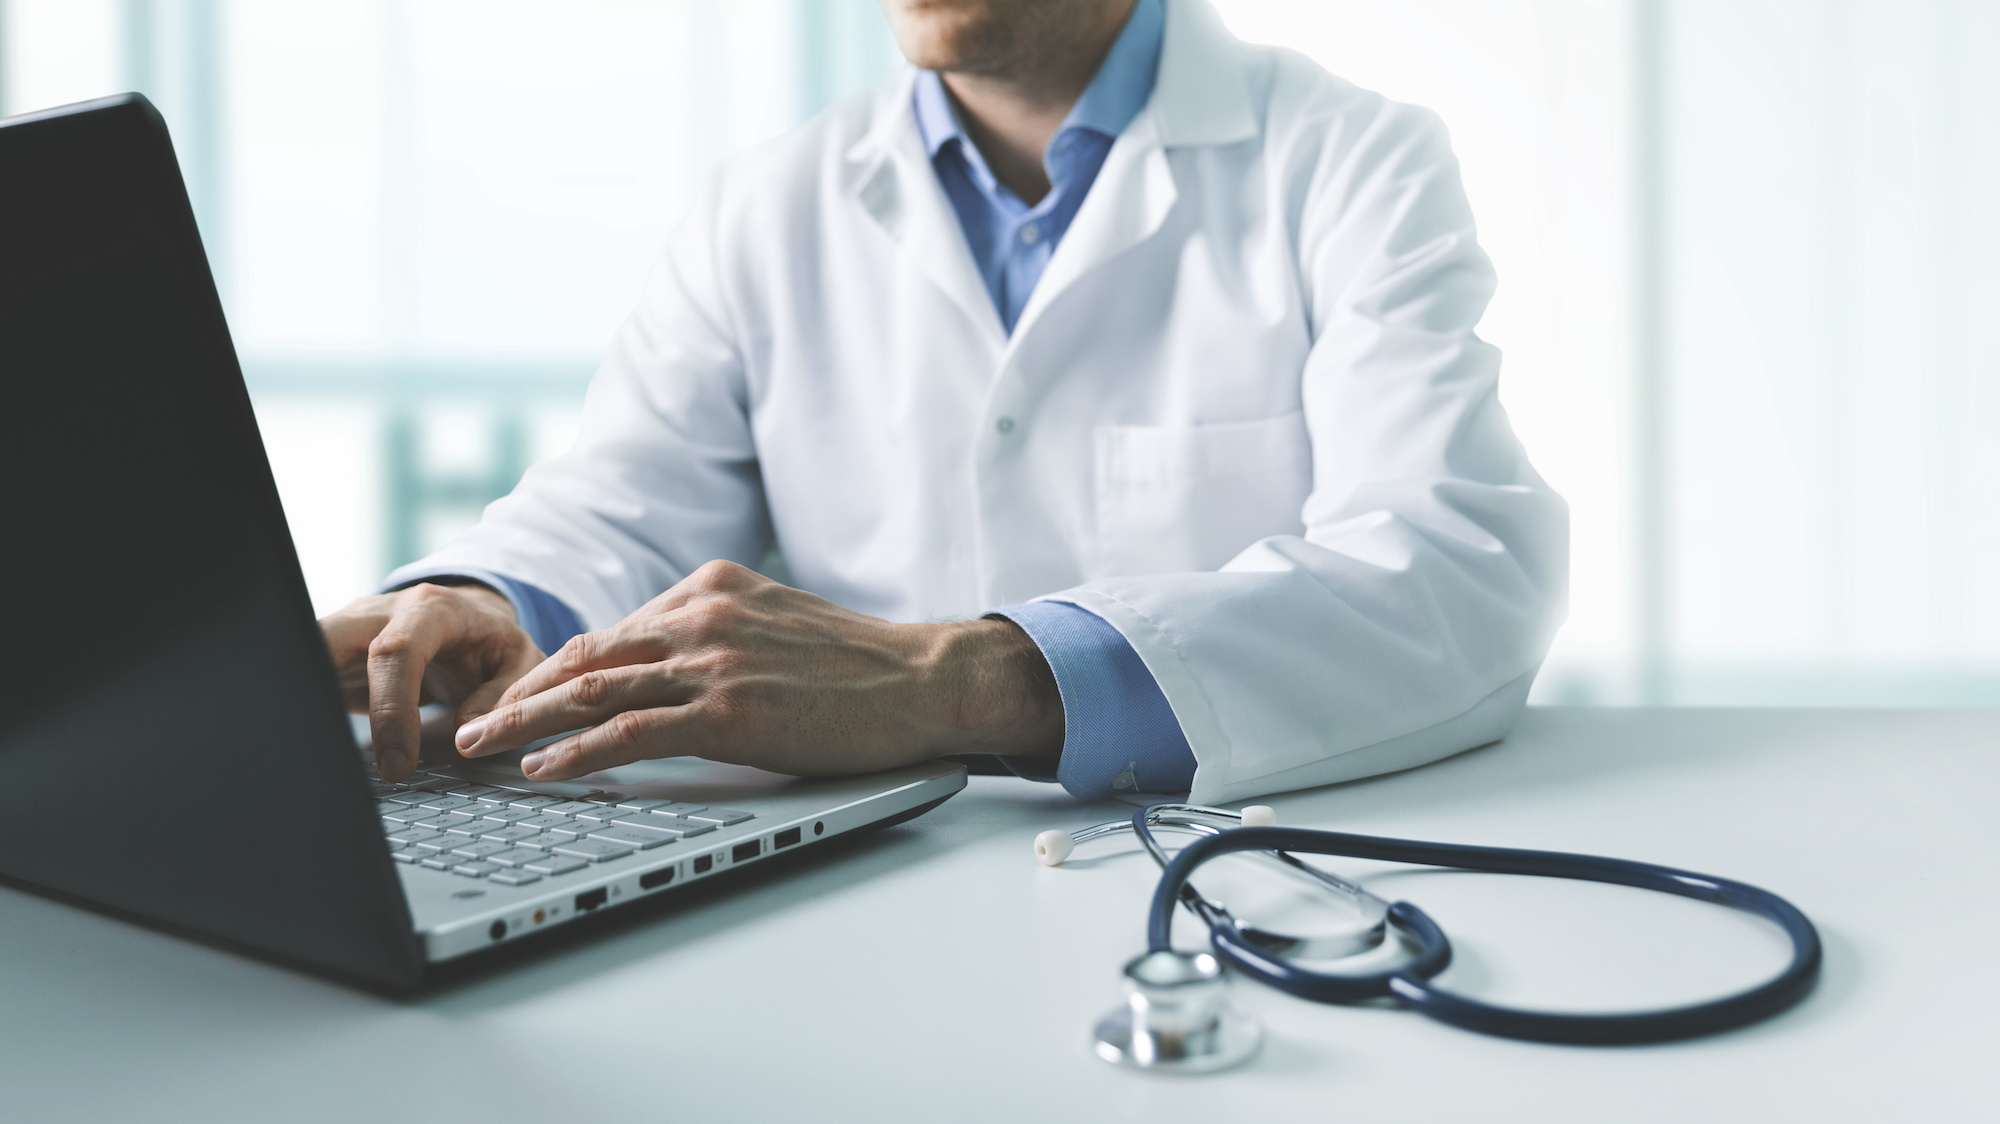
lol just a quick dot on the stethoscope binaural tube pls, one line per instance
(1052, 847)
(1410, 983)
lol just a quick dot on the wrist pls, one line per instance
(995, 691)
(476, 591)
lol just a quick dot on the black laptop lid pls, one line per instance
(172, 743)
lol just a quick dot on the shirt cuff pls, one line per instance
(541, 614)
(1119, 731)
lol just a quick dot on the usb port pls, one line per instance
(785, 838)
(702, 864)
(748, 850)
(653, 878)
(591, 899)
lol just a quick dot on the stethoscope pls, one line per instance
(1177, 1017)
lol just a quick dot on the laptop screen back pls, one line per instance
(171, 738)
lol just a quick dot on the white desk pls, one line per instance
(935, 972)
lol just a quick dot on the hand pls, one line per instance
(457, 645)
(732, 666)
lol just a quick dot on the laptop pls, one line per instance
(173, 744)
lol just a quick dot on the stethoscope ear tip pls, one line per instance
(1260, 815)
(1053, 846)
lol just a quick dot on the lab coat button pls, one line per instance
(1005, 426)
(1031, 234)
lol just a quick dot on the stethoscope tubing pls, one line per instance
(1410, 984)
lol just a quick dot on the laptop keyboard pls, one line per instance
(515, 838)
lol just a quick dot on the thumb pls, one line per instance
(486, 696)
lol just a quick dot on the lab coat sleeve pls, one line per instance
(663, 475)
(1408, 619)
(1119, 733)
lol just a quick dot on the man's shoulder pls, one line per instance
(1310, 113)
(798, 166)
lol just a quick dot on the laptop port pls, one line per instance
(702, 864)
(653, 878)
(497, 930)
(748, 850)
(591, 899)
(785, 838)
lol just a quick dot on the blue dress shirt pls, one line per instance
(1120, 733)
(1012, 242)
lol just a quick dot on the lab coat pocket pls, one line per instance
(1174, 499)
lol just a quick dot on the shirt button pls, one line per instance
(1031, 234)
(1004, 426)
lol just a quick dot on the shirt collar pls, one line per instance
(1116, 94)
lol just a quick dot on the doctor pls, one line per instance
(1111, 391)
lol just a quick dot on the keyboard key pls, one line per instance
(643, 805)
(644, 822)
(479, 849)
(407, 813)
(474, 791)
(512, 833)
(722, 816)
(513, 877)
(570, 808)
(573, 829)
(602, 813)
(534, 801)
(680, 828)
(413, 835)
(434, 860)
(546, 821)
(450, 803)
(632, 837)
(603, 797)
(405, 796)
(555, 864)
(678, 809)
(471, 828)
(408, 856)
(384, 807)
(518, 856)
(504, 814)
(439, 841)
(474, 870)
(433, 785)
(596, 850)
(442, 822)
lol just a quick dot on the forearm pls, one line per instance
(998, 691)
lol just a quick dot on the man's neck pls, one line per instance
(1011, 114)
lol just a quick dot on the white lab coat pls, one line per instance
(1244, 417)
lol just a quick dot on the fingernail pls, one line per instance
(388, 761)
(532, 762)
(470, 733)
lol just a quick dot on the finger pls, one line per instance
(633, 735)
(589, 699)
(347, 634)
(487, 695)
(397, 659)
(621, 645)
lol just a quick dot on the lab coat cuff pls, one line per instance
(1119, 732)
(541, 614)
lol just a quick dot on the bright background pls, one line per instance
(1744, 249)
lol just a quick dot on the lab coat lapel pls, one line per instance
(900, 190)
(1201, 97)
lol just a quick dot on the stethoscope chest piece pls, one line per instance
(1177, 1017)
